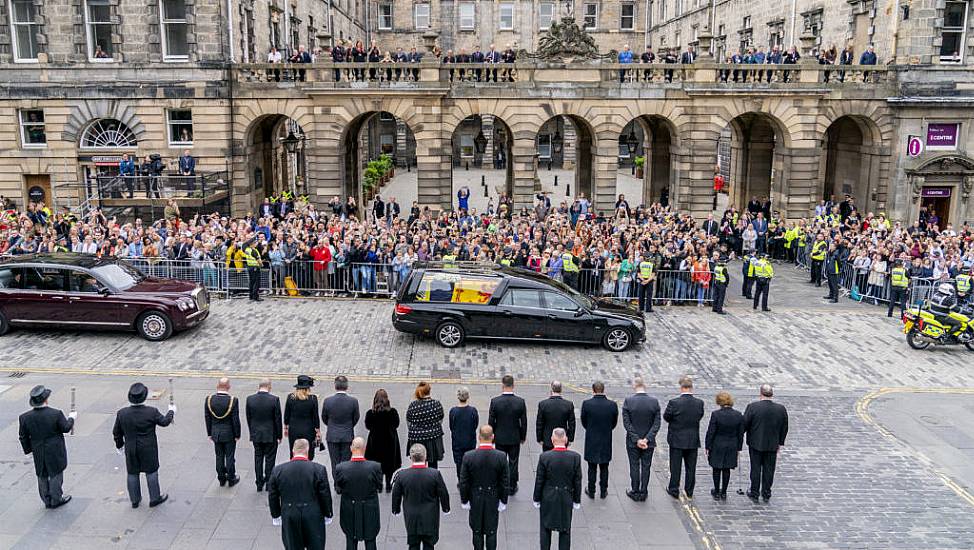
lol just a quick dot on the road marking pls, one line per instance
(862, 409)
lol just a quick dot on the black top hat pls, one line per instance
(38, 395)
(137, 393)
(304, 382)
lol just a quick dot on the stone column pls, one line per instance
(487, 127)
(797, 184)
(325, 169)
(695, 191)
(604, 171)
(569, 153)
(524, 159)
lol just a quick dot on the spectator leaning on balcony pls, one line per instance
(790, 58)
(625, 58)
(669, 58)
(477, 57)
(274, 56)
(846, 58)
(338, 56)
(508, 57)
(868, 57)
(375, 56)
(359, 55)
(647, 57)
(301, 56)
(759, 58)
(492, 57)
(688, 56)
(415, 57)
(126, 169)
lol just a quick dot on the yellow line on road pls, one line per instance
(862, 409)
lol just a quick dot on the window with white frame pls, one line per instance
(466, 146)
(32, 132)
(590, 20)
(546, 14)
(180, 123)
(953, 34)
(544, 146)
(385, 16)
(422, 16)
(98, 28)
(506, 10)
(175, 46)
(628, 17)
(468, 17)
(23, 30)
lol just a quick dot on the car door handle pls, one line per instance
(552, 316)
(508, 313)
(55, 297)
(73, 298)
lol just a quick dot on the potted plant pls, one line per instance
(639, 162)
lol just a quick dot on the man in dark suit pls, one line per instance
(264, 425)
(42, 432)
(135, 431)
(641, 419)
(484, 480)
(508, 416)
(300, 500)
(599, 417)
(683, 436)
(766, 426)
(558, 490)
(340, 413)
(554, 412)
(420, 492)
(359, 482)
(711, 227)
(222, 415)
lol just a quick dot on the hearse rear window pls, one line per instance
(455, 288)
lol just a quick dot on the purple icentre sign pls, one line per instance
(942, 136)
(936, 192)
(914, 146)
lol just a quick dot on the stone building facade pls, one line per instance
(88, 80)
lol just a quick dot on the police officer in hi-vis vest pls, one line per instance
(721, 280)
(762, 272)
(252, 257)
(646, 276)
(899, 281)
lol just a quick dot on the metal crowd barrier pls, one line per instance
(669, 286)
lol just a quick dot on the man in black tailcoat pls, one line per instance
(266, 430)
(554, 412)
(135, 431)
(599, 417)
(300, 500)
(766, 426)
(683, 414)
(508, 417)
(359, 482)
(484, 480)
(558, 490)
(419, 493)
(222, 415)
(42, 432)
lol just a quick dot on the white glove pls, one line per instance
(576, 506)
(465, 506)
(327, 521)
(395, 514)
(276, 521)
(73, 415)
(446, 513)
(536, 504)
(501, 507)
(172, 408)
(119, 451)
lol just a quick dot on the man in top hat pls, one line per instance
(222, 415)
(558, 490)
(484, 480)
(340, 413)
(266, 431)
(359, 482)
(421, 493)
(42, 432)
(300, 500)
(135, 431)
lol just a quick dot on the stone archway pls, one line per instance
(481, 147)
(566, 150)
(655, 142)
(755, 159)
(271, 167)
(851, 162)
(368, 137)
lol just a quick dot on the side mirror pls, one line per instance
(579, 312)
(104, 291)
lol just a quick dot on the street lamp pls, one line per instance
(290, 142)
(632, 143)
(480, 142)
(557, 141)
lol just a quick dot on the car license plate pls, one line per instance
(907, 326)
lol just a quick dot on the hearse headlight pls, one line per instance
(185, 304)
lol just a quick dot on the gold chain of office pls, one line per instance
(209, 398)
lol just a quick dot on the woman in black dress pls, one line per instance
(725, 438)
(301, 420)
(382, 422)
(424, 420)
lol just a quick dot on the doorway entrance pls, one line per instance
(38, 188)
(935, 206)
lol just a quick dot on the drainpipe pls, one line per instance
(287, 28)
(794, 17)
(895, 31)
(649, 4)
(230, 28)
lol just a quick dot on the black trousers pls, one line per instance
(603, 471)
(352, 544)
(253, 280)
(420, 542)
(484, 541)
(135, 487)
(721, 479)
(680, 458)
(746, 286)
(762, 472)
(564, 539)
(761, 287)
(833, 281)
(50, 488)
(897, 296)
(339, 452)
(646, 296)
(302, 527)
(265, 456)
(226, 466)
(513, 453)
(720, 292)
(817, 272)
(640, 461)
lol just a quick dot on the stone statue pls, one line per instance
(566, 41)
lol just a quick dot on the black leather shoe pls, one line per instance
(767, 498)
(64, 500)
(260, 487)
(714, 493)
(723, 495)
(603, 493)
(643, 497)
(234, 481)
(752, 496)
(633, 496)
(223, 482)
(767, 309)
(674, 494)
(589, 494)
(513, 490)
(162, 498)
(135, 505)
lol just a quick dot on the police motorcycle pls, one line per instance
(923, 326)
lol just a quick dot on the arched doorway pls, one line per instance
(646, 171)
(849, 163)
(369, 138)
(276, 157)
(565, 151)
(749, 150)
(481, 148)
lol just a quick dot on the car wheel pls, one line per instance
(449, 334)
(154, 326)
(4, 325)
(617, 339)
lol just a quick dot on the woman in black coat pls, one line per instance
(382, 422)
(725, 438)
(301, 420)
(424, 419)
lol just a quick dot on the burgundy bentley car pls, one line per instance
(83, 291)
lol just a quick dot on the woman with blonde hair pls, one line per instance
(724, 440)
(424, 422)
(301, 420)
